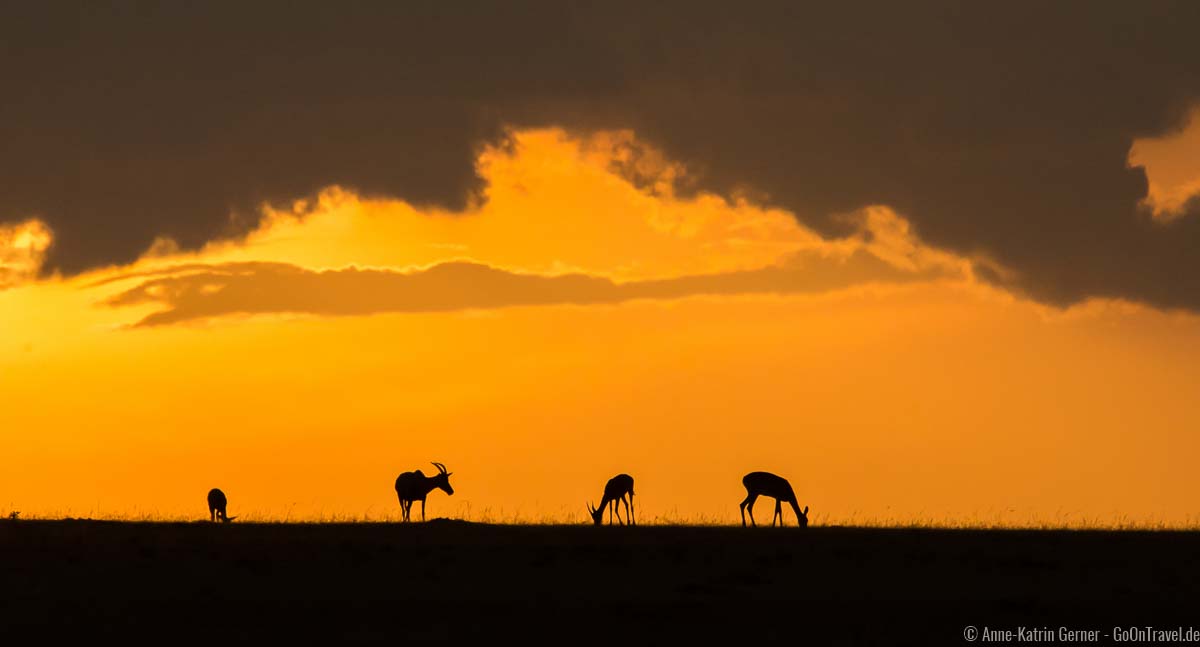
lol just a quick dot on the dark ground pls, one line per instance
(344, 583)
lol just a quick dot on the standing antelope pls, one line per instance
(415, 486)
(216, 506)
(615, 490)
(777, 487)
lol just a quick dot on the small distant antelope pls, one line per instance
(767, 484)
(216, 506)
(415, 486)
(615, 490)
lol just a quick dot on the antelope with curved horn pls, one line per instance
(615, 490)
(767, 484)
(415, 486)
(216, 506)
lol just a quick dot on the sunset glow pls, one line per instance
(685, 339)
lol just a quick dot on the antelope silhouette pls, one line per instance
(216, 506)
(767, 484)
(415, 486)
(615, 490)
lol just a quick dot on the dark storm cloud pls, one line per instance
(999, 129)
(197, 291)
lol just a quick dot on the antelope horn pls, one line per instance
(441, 468)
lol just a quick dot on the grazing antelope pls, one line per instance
(216, 506)
(767, 484)
(615, 490)
(415, 486)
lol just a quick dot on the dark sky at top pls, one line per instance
(999, 129)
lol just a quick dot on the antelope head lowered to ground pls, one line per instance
(216, 506)
(767, 484)
(615, 490)
(415, 486)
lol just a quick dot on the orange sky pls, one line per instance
(874, 372)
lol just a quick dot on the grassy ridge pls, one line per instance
(458, 580)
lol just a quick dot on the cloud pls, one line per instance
(999, 131)
(197, 292)
(22, 250)
(1172, 165)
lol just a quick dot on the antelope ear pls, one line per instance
(805, 509)
(449, 473)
